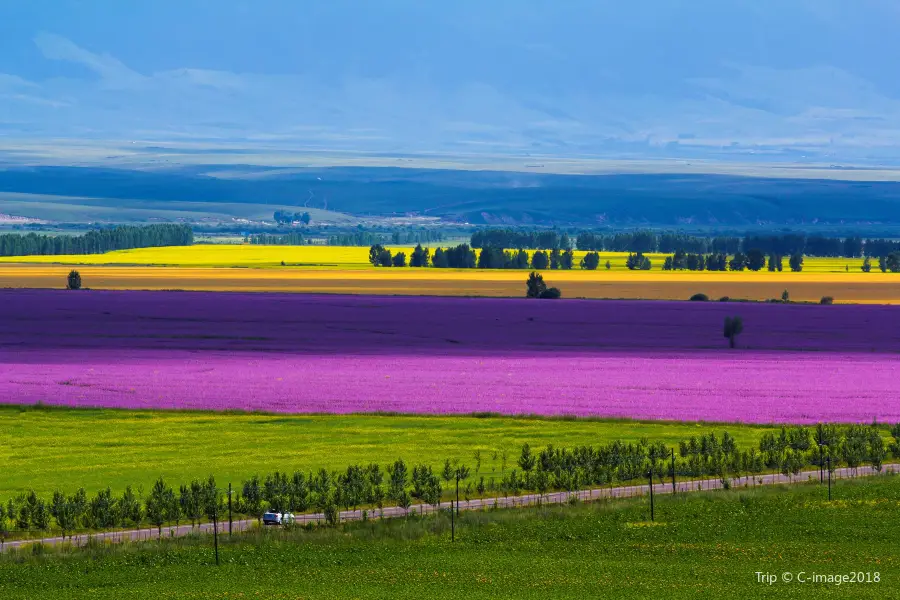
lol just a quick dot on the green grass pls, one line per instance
(702, 546)
(55, 448)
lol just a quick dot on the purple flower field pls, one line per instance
(300, 353)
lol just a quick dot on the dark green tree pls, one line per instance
(535, 285)
(540, 260)
(73, 281)
(756, 260)
(419, 257)
(796, 262)
(399, 260)
(866, 265)
(734, 326)
(590, 261)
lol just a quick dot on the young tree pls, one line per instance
(866, 265)
(608, 265)
(526, 460)
(397, 478)
(73, 281)
(734, 326)
(399, 259)
(448, 473)
(157, 505)
(252, 496)
(796, 262)
(785, 296)
(130, 510)
(567, 259)
(882, 263)
(404, 501)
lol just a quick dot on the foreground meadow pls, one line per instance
(45, 449)
(701, 545)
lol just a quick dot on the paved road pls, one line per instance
(525, 500)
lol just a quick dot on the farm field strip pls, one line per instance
(860, 288)
(357, 258)
(476, 504)
(351, 354)
(50, 448)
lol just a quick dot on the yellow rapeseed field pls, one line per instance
(334, 269)
(344, 257)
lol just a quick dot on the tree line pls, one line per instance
(400, 484)
(753, 260)
(786, 244)
(397, 237)
(98, 241)
(268, 239)
(464, 257)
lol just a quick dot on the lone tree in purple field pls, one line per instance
(734, 326)
(73, 282)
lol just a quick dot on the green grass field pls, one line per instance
(55, 448)
(702, 545)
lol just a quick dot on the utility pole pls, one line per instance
(650, 475)
(673, 471)
(229, 509)
(829, 478)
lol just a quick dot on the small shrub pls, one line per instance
(826, 300)
(724, 299)
(73, 281)
(551, 293)
(700, 298)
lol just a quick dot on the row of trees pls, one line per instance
(97, 241)
(514, 238)
(396, 237)
(786, 244)
(494, 257)
(788, 451)
(754, 260)
(464, 257)
(267, 239)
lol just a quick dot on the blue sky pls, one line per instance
(568, 76)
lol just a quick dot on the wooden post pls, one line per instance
(229, 509)
(829, 478)
(454, 512)
(650, 474)
(673, 472)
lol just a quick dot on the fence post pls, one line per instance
(829, 478)
(673, 472)
(229, 509)
(650, 474)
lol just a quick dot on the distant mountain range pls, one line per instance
(489, 197)
(800, 80)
